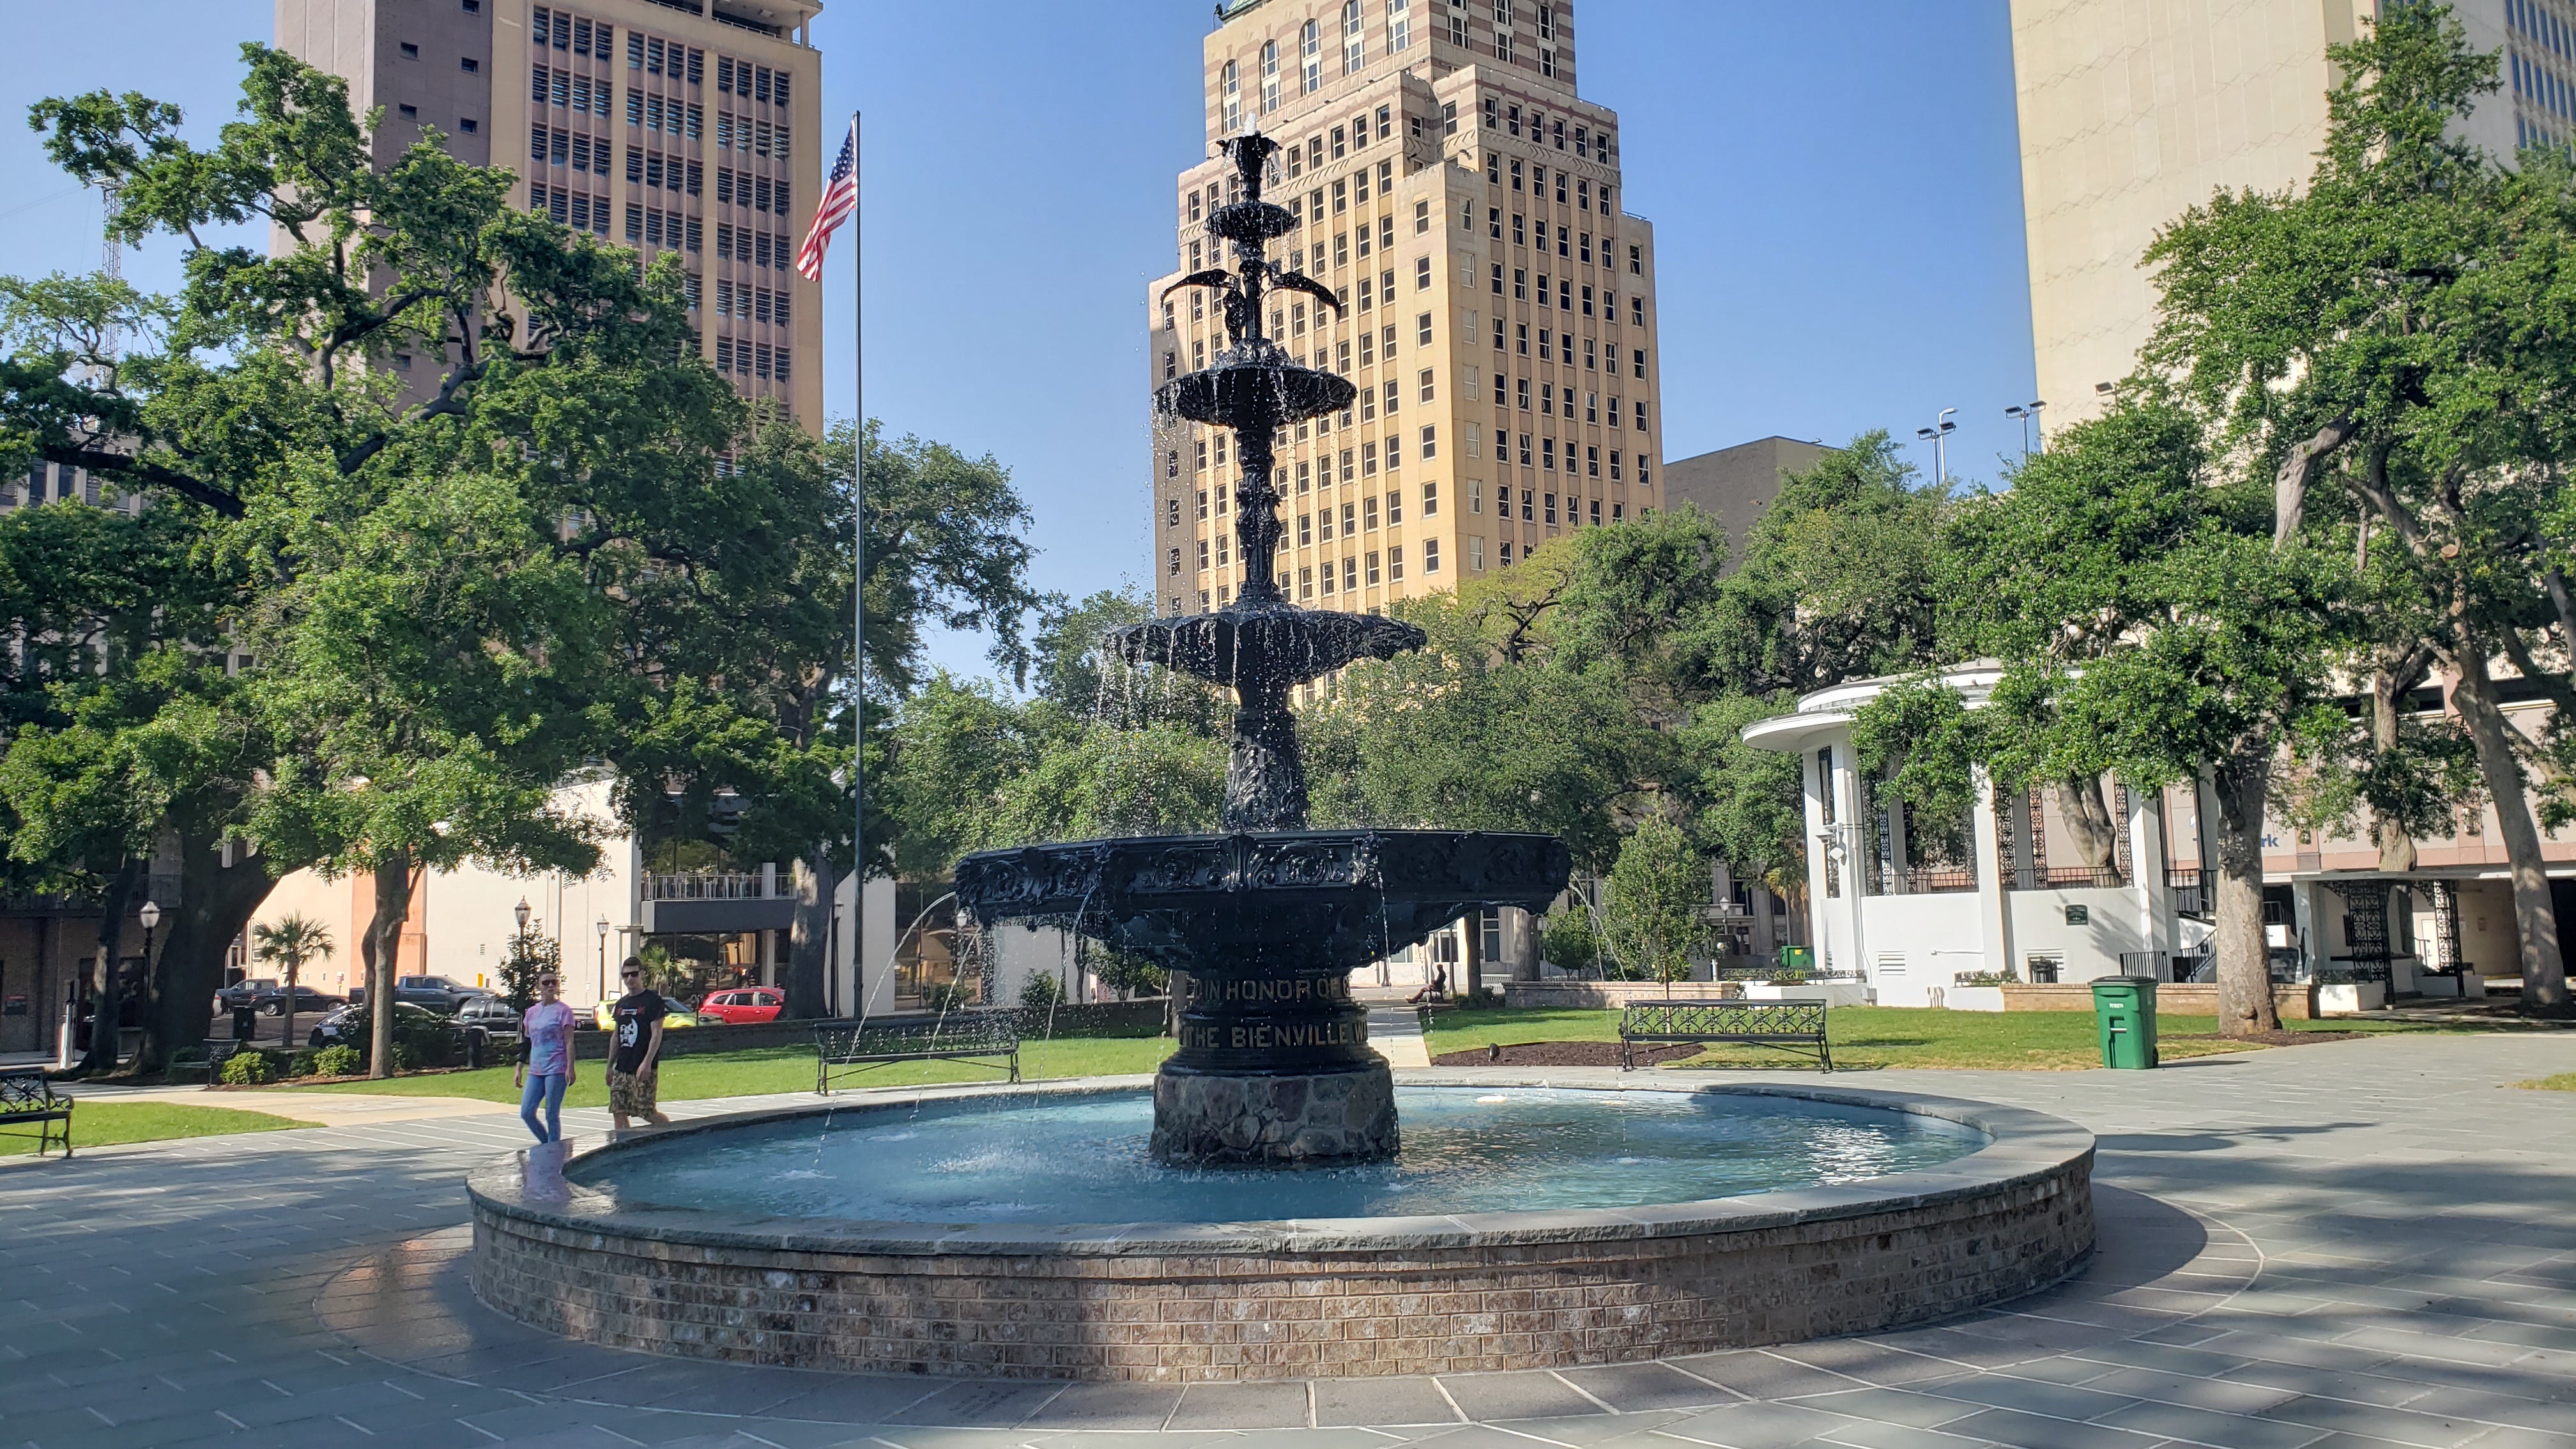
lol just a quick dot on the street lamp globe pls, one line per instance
(519, 913)
(150, 915)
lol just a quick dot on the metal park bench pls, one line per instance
(1791, 1026)
(209, 1059)
(25, 1097)
(845, 1049)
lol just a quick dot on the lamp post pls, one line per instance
(603, 958)
(1939, 437)
(150, 916)
(2028, 413)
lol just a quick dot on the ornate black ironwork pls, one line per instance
(1262, 926)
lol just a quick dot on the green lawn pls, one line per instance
(786, 1069)
(1881, 1036)
(96, 1124)
(2563, 1082)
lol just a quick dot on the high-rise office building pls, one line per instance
(2133, 111)
(685, 126)
(1464, 202)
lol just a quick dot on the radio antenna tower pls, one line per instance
(111, 263)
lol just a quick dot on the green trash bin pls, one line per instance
(2124, 1013)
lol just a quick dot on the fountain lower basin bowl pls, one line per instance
(961, 1232)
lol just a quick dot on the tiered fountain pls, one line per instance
(1263, 925)
(1043, 1231)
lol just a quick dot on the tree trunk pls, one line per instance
(2544, 972)
(384, 937)
(809, 937)
(107, 996)
(2245, 1005)
(2086, 810)
(2387, 687)
(215, 902)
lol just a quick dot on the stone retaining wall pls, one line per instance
(1071, 1019)
(2173, 998)
(1348, 1298)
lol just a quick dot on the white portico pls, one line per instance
(2061, 882)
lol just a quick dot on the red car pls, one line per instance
(744, 1006)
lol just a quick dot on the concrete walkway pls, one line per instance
(2345, 1246)
(328, 1109)
(1396, 1032)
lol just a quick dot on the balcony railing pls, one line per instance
(715, 886)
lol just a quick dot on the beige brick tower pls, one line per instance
(1465, 204)
(2132, 111)
(685, 126)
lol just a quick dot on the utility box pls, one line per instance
(2124, 1012)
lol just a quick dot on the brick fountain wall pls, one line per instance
(1400, 1296)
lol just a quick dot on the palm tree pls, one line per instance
(287, 946)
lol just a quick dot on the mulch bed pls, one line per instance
(1562, 1054)
(2269, 1038)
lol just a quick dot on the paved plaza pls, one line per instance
(2322, 1247)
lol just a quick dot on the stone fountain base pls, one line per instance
(1346, 1114)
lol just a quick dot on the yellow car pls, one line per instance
(604, 1015)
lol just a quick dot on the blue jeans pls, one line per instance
(546, 1087)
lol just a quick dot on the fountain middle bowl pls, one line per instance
(1265, 902)
(592, 1248)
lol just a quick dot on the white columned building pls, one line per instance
(1910, 906)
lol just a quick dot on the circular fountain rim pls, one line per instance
(2022, 1146)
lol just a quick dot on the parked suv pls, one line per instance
(350, 1024)
(430, 993)
(246, 993)
(743, 1005)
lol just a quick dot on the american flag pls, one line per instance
(840, 203)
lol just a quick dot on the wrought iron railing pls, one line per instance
(1933, 880)
(712, 886)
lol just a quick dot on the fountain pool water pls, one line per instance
(1084, 1160)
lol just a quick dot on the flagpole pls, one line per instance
(859, 575)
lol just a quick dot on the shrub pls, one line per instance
(247, 1069)
(1567, 940)
(419, 1043)
(300, 1064)
(342, 1060)
(949, 996)
(1041, 992)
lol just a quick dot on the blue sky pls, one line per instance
(1835, 189)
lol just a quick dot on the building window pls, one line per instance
(1230, 88)
(1399, 25)
(410, 51)
(1269, 76)
(1352, 54)
(1310, 48)
(1430, 445)
(1422, 274)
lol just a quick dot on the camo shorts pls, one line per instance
(631, 1096)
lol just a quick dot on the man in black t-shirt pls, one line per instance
(638, 1020)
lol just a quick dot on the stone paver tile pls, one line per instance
(2330, 1384)
(1759, 1375)
(922, 1436)
(1241, 1406)
(2060, 1401)
(1485, 1398)
(1866, 1435)
(1106, 1406)
(975, 1405)
(2037, 1431)
(2517, 1438)
(1592, 1431)
(1892, 1406)
(2499, 1408)
(1381, 1401)
(2221, 1395)
(2206, 1426)
(2434, 1431)
(859, 1399)
(1755, 1426)
(1629, 1387)
(2165, 1357)
(1305, 1439)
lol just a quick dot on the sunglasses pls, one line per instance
(631, 975)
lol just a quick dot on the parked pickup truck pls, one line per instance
(430, 993)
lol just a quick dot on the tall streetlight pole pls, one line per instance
(603, 958)
(2028, 413)
(1939, 437)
